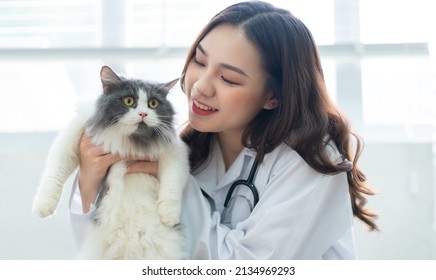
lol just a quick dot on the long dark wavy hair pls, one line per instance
(306, 119)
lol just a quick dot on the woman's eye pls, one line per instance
(129, 101)
(196, 61)
(153, 103)
(228, 81)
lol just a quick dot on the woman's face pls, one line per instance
(225, 83)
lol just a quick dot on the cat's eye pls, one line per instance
(129, 101)
(153, 103)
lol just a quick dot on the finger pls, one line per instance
(133, 159)
(142, 167)
(111, 158)
(85, 141)
(87, 145)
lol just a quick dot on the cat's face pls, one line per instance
(132, 115)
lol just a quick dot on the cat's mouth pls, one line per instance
(142, 125)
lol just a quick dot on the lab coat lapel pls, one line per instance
(238, 169)
(214, 177)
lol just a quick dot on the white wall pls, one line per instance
(403, 175)
(22, 235)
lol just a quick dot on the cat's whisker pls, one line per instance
(166, 133)
(167, 122)
(114, 121)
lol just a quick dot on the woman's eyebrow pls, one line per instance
(234, 68)
(224, 65)
(201, 49)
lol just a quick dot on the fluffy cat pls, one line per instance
(137, 215)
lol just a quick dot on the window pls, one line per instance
(52, 50)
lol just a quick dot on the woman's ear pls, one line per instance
(271, 102)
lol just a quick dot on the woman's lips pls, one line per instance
(202, 109)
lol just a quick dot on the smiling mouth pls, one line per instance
(203, 107)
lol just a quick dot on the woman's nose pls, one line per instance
(204, 85)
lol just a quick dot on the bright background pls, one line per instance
(379, 63)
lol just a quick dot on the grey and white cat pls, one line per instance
(137, 215)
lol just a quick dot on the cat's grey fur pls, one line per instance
(138, 214)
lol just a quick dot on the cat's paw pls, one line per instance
(169, 213)
(44, 207)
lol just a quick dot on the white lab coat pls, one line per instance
(301, 214)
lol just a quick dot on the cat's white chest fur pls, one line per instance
(129, 220)
(137, 217)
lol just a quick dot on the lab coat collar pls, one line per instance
(214, 177)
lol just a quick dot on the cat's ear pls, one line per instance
(108, 78)
(166, 87)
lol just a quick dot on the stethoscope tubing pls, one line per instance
(248, 183)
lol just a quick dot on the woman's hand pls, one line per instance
(94, 164)
(142, 166)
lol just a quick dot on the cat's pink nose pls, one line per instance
(142, 114)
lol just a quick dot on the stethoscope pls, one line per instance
(248, 183)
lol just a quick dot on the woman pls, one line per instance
(256, 93)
